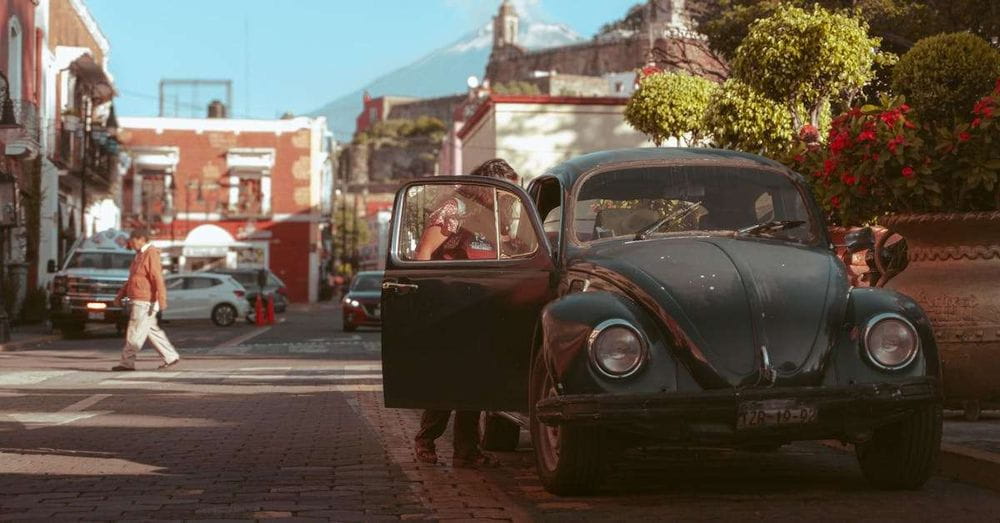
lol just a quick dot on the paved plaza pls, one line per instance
(288, 422)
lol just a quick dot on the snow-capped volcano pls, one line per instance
(441, 72)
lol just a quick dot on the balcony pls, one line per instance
(101, 154)
(20, 128)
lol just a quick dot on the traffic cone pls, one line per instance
(259, 312)
(270, 309)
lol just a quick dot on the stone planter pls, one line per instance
(954, 273)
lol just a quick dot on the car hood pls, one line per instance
(739, 312)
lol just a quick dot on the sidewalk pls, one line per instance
(25, 335)
(970, 450)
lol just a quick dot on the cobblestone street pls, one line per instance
(288, 423)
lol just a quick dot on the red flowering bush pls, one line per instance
(969, 158)
(874, 162)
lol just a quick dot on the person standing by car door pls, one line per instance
(452, 232)
(147, 294)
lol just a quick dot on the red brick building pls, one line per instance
(233, 193)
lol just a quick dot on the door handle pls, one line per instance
(403, 287)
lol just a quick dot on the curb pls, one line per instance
(960, 463)
(12, 346)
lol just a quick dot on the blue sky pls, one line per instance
(297, 54)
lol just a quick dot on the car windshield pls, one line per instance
(632, 203)
(367, 282)
(100, 260)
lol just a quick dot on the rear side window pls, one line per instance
(202, 283)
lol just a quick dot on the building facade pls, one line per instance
(534, 133)
(55, 99)
(665, 35)
(233, 193)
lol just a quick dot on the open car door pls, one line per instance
(466, 278)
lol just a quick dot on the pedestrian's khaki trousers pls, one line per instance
(142, 324)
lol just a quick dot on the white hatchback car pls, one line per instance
(204, 295)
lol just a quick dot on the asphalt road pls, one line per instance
(288, 421)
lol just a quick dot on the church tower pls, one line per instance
(669, 17)
(505, 26)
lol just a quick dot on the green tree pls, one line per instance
(350, 232)
(942, 76)
(670, 105)
(804, 59)
(899, 23)
(738, 117)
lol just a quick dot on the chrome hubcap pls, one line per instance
(224, 315)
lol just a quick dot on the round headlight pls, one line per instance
(891, 341)
(616, 349)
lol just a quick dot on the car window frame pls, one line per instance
(543, 249)
(818, 222)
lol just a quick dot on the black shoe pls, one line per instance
(121, 368)
(168, 365)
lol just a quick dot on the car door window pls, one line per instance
(463, 222)
(174, 284)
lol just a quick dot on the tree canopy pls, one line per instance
(670, 105)
(806, 58)
(740, 118)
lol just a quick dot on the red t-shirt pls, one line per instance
(461, 244)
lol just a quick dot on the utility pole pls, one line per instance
(83, 169)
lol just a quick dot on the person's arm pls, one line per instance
(432, 238)
(156, 273)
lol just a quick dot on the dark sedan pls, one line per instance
(362, 307)
(687, 296)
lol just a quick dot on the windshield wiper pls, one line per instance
(644, 233)
(772, 226)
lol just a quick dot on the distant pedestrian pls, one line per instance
(147, 295)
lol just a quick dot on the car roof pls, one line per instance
(570, 170)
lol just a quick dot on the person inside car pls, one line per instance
(462, 228)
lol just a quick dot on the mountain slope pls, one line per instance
(440, 73)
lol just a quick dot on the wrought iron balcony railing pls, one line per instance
(20, 125)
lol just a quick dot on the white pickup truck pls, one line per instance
(83, 291)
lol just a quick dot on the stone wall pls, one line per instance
(441, 108)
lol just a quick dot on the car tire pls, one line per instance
(497, 433)
(903, 455)
(570, 459)
(224, 315)
(349, 327)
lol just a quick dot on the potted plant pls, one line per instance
(937, 187)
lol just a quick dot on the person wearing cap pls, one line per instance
(147, 295)
(457, 230)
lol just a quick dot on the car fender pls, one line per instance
(566, 325)
(851, 363)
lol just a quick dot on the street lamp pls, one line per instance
(8, 219)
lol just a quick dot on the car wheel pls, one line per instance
(903, 455)
(349, 327)
(224, 315)
(120, 328)
(497, 433)
(569, 458)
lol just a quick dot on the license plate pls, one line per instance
(95, 315)
(754, 414)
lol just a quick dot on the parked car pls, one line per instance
(687, 296)
(363, 302)
(205, 295)
(248, 278)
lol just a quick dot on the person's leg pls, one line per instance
(432, 426)
(467, 433)
(160, 342)
(135, 334)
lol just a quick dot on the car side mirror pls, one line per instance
(51, 267)
(859, 240)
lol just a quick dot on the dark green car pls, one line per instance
(685, 296)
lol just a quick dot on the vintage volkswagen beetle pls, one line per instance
(689, 296)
